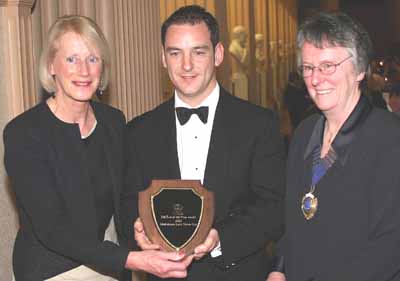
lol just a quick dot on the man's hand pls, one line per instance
(208, 245)
(159, 263)
(141, 238)
(211, 241)
(276, 276)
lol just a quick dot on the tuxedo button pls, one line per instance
(228, 266)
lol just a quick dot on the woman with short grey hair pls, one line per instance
(343, 185)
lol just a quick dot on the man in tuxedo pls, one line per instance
(205, 133)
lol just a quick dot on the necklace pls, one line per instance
(309, 204)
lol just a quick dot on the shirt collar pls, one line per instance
(211, 101)
(346, 134)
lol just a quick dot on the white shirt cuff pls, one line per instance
(217, 251)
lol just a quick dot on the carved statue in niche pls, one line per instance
(273, 61)
(282, 75)
(281, 51)
(260, 52)
(240, 62)
(261, 69)
(273, 54)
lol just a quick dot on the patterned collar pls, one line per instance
(346, 134)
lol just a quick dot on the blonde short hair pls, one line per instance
(89, 31)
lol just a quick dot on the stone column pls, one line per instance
(15, 16)
(17, 92)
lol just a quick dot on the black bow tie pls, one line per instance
(184, 114)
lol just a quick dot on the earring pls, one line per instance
(101, 88)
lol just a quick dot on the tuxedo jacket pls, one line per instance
(355, 233)
(244, 169)
(46, 163)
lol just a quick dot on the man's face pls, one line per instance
(190, 59)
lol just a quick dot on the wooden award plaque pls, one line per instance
(176, 214)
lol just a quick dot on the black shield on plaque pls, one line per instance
(177, 213)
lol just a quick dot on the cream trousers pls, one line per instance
(81, 273)
(84, 273)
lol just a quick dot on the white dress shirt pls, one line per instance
(193, 141)
(193, 138)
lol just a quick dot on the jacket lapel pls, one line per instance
(169, 145)
(111, 149)
(219, 146)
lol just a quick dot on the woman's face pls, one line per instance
(335, 93)
(76, 68)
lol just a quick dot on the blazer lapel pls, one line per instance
(168, 129)
(219, 146)
(111, 149)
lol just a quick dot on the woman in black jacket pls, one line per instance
(343, 185)
(65, 160)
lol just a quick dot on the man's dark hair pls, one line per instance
(192, 14)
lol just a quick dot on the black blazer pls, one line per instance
(355, 234)
(48, 172)
(245, 170)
